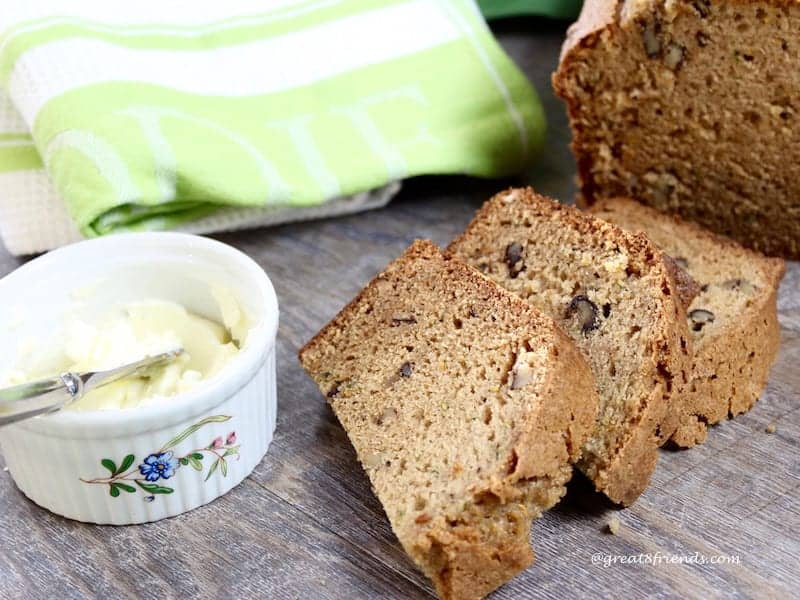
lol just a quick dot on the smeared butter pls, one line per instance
(144, 329)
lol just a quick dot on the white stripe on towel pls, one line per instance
(351, 43)
(141, 12)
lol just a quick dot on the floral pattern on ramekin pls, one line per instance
(163, 464)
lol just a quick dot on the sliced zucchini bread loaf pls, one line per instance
(613, 294)
(691, 106)
(466, 407)
(733, 321)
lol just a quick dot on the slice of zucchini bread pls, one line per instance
(613, 294)
(733, 321)
(691, 106)
(466, 407)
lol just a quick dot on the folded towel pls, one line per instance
(205, 115)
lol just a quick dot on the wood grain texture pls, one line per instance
(306, 525)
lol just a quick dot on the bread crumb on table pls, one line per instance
(771, 428)
(613, 525)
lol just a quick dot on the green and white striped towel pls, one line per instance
(204, 115)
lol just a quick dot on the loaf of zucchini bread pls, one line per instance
(466, 407)
(733, 320)
(691, 106)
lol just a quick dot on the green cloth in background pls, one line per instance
(149, 121)
(557, 9)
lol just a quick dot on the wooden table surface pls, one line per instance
(306, 525)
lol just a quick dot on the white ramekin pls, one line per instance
(58, 459)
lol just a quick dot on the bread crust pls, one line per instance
(595, 16)
(455, 552)
(726, 383)
(626, 476)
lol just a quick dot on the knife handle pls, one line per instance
(39, 397)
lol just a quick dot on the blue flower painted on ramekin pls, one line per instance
(126, 476)
(159, 466)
